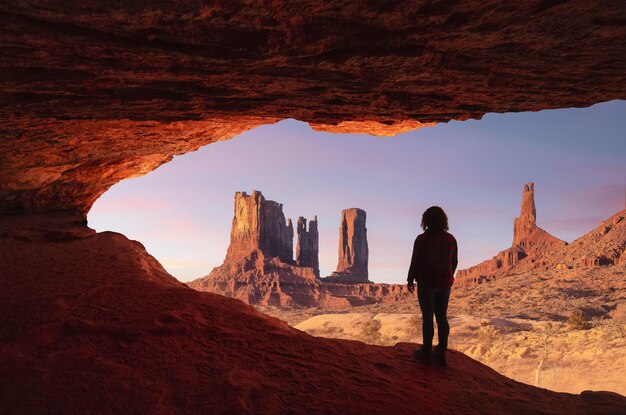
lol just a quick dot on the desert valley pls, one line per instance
(543, 311)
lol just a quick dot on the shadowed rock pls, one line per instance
(307, 248)
(93, 94)
(80, 332)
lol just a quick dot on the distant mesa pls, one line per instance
(259, 268)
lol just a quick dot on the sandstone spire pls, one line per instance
(530, 245)
(353, 251)
(527, 220)
(259, 225)
(307, 248)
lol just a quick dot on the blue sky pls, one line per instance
(474, 169)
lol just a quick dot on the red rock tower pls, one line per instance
(259, 225)
(307, 248)
(353, 250)
(527, 220)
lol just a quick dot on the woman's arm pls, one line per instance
(455, 255)
(414, 262)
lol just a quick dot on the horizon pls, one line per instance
(187, 228)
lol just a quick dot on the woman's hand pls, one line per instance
(411, 287)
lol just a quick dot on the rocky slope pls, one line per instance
(93, 93)
(605, 245)
(75, 339)
(532, 246)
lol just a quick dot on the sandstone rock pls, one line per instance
(531, 246)
(353, 250)
(93, 95)
(307, 248)
(259, 225)
(527, 220)
(259, 269)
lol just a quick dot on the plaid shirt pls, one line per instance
(434, 260)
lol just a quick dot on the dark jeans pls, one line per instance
(434, 301)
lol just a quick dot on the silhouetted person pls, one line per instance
(434, 260)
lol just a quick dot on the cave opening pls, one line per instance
(182, 211)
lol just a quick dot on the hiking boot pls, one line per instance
(439, 357)
(422, 355)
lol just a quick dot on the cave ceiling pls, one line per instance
(96, 92)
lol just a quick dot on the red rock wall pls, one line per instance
(93, 92)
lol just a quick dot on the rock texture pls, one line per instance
(259, 228)
(603, 246)
(531, 245)
(526, 223)
(93, 93)
(75, 339)
(353, 250)
(307, 248)
(259, 269)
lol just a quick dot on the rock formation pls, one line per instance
(259, 227)
(259, 269)
(603, 246)
(353, 250)
(530, 245)
(527, 220)
(307, 248)
(92, 95)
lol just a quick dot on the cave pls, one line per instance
(93, 94)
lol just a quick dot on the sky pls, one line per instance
(474, 169)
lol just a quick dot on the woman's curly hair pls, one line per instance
(435, 219)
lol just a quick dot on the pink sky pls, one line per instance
(474, 169)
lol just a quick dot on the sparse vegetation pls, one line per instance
(488, 335)
(548, 332)
(371, 332)
(578, 320)
(414, 326)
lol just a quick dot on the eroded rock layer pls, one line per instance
(95, 92)
(531, 247)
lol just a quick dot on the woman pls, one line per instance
(434, 260)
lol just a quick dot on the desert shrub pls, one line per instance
(578, 320)
(488, 335)
(371, 332)
(615, 329)
(414, 326)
